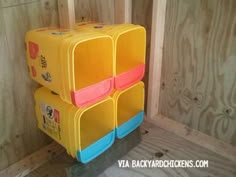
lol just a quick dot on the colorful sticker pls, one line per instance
(33, 71)
(51, 120)
(33, 50)
(43, 61)
(47, 76)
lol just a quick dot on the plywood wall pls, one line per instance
(94, 10)
(19, 135)
(199, 66)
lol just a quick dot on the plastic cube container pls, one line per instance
(129, 50)
(84, 132)
(129, 108)
(76, 65)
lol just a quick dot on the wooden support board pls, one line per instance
(66, 9)
(123, 11)
(155, 63)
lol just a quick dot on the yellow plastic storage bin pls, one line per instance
(84, 132)
(76, 65)
(129, 50)
(129, 108)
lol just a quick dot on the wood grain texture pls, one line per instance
(206, 141)
(161, 145)
(55, 167)
(157, 144)
(94, 10)
(199, 61)
(156, 53)
(142, 15)
(33, 161)
(10, 3)
(66, 9)
(18, 129)
(123, 11)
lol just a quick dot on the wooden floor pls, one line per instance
(156, 144)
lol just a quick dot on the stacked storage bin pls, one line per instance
(78, 105)
(129, 68)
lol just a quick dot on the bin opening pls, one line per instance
(93, 62)
(130, 51)
(130, 102)
(96, 122)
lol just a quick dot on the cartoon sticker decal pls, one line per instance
(33, 50)
(51, 120)
(47, 76)
(43, 61)
(33, 71)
